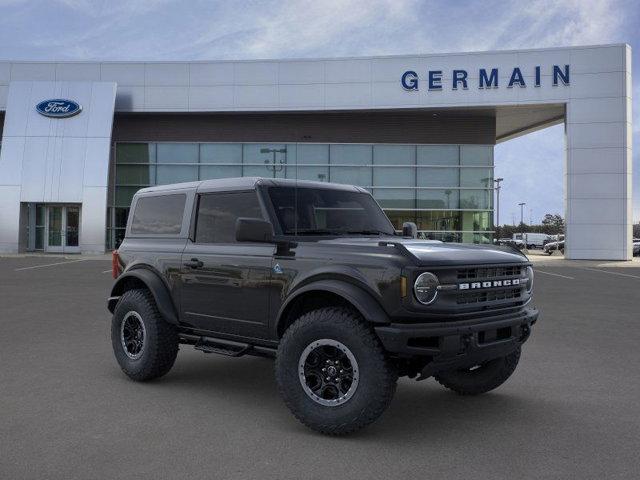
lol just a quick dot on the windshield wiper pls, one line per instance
(367, 232)
(326, 231)
(317, 231)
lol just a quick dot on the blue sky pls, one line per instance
(207, 30)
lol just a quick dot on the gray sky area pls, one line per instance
(532, 166)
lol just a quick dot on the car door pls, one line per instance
(224, 283)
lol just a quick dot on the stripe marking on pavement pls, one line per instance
(554, 274)
(611, 273)
(48, 265)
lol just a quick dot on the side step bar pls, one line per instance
(225, 347)
(231, 349)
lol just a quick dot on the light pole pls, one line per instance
(522, 204)
(497, 181)
(274, 166)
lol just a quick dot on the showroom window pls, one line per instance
(417, 183)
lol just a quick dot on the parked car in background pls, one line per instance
(551, 247)
(636, 247)
(519, 244)
(532, 240)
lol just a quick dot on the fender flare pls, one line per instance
(364, 302)
(155, 285)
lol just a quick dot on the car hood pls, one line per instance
(431, 252)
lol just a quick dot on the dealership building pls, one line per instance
(418, 131)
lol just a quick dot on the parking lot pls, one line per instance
(571, 410)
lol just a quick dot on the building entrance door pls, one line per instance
(54, 229)
(62, 229)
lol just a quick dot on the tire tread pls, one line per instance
(349, 321)
(503, 368)
(163, 348)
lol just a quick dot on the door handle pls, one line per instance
(194, 263)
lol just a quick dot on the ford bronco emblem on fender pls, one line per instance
(58, 108)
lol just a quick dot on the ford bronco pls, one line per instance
(315, 275)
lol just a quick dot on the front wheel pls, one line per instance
(333, 373)
(480, 378)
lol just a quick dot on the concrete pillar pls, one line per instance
(598, 169)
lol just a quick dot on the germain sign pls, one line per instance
(487, 78)
(58, 108)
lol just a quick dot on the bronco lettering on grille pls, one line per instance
(489, 284)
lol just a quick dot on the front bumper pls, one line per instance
(451, 345)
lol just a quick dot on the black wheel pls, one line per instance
(480, 378)
(144, 344)
(332, 372)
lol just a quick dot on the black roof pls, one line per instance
(237, 183)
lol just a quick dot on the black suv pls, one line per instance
(314, 275)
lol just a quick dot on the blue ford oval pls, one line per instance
(58, 108)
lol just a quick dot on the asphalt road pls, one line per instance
(571, 410)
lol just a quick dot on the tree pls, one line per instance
(552, 224)
(554, 221)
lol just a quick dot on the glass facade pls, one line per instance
(447, 190)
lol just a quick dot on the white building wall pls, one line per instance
(56, 160)
(598, 106)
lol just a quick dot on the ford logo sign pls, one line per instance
(58, 108)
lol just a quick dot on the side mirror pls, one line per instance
(409, 229)
(253, 230)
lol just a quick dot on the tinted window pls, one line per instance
(323, 211)
(217, 214)
(160, 214)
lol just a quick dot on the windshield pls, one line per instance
(324, 211)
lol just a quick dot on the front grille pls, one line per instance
(483, 273)
(467, 298)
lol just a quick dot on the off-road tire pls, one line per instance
(160, 343)
(377, 375)
(482, 379)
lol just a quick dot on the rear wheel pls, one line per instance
(333, 373)
(480, 378)
(144, 344)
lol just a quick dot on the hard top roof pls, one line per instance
(238, 183)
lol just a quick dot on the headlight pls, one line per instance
(426, 288)
(529, 279)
